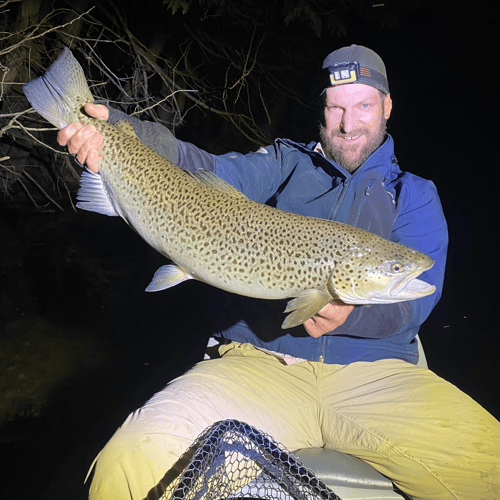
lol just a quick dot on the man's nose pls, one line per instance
(348, 122)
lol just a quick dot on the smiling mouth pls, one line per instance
(354, 140)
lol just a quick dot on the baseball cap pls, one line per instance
(356, 64)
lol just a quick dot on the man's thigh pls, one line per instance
(245, 384)
(414, 427)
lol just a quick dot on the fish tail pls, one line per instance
(60, 93)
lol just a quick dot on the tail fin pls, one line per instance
(61, 92)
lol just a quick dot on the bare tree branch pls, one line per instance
(37, 31)
(4, 4)
(26, 174)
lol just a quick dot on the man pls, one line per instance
(348, 378)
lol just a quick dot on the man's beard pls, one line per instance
(341, 156)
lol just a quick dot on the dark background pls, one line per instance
(76, 280)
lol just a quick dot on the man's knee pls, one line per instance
(129, 466)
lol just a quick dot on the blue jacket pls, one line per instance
(378, 197)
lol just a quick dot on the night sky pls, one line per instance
(440, 67)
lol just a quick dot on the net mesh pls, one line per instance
(234, 460)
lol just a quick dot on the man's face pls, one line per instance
(355, 123)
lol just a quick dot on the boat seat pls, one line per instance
(348, 477)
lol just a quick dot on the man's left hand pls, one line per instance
(327, 319)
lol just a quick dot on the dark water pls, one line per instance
(83, 344)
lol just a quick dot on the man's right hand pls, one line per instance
(85, 141)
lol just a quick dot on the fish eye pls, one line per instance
(396, 267)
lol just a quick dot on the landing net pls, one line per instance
(234, 460)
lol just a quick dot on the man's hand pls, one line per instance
(85, 141)
(327, 319)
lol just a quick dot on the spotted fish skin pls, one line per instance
(214, 233)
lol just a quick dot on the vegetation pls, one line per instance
(231, 69)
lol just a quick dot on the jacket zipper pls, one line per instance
(340, 199)
(322, 350)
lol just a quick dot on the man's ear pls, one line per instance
(387, 106)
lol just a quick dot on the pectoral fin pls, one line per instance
(166, 277)
(304, 306)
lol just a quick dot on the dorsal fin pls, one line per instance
(210, 179)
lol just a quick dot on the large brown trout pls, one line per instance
(213, 233)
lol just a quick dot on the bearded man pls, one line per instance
(348, 378)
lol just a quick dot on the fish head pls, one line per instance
(380, 274)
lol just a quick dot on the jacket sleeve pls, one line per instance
(160, 139)
(420, 224)
(256, 174)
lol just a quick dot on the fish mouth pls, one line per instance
(411, 288)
